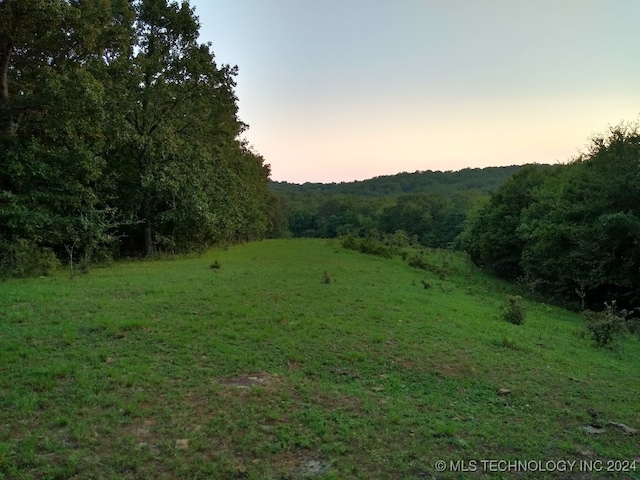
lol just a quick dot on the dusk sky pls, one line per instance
(342, 90)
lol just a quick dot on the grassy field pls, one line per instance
(300, 359)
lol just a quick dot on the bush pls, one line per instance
(375, 247)
(633, 323)
(419, 261)
(367, 245)
(24, 258)
(351, 242)
(607, 327)
(423, 262)
(513, 311)
(399, 239)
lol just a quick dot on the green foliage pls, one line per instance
(119, 133)
(369, 245)
(215, 265)
(430, 207)
(326, 278)
(569, 232)
(581, 232)
(432, 219)
(508, 342)
(491, 237)
(419, 261)
(514, 311)
(186, 175)
(24, 258)
(431, 263)
(467, 179)
(412, 214)
(607, 327)
(278, 216)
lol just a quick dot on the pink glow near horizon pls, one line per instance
(339, 90)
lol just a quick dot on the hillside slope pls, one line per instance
(295, 358)
(480, 179)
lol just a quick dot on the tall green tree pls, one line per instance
(413, 214)
(492, 237)
(51, 112)
(582, 231)
(39, 38)
(116, 122)
(32, 40)
(179, 169)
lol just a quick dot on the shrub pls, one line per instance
(367, 245)
(418, 261)
(351, 242)
(633, 323)
(24, 258)
(513, 311)
(607, 327)
(375, 247)
(216, 265)
(399, 239)
(326, 278)
(423, 262)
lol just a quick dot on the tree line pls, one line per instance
(570, 233)
(119, 134)
(429, 207)
(408, 183)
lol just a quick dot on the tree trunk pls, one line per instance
(148, 245)
(7, 127)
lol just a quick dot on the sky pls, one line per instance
(343, 90)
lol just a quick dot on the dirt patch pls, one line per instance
(338, 400)
(147, 438)
(458, 366)
(248, 380)
(300, 465)
(295, 365)
(144, 430)
(310, 467)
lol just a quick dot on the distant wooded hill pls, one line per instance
(428, 207)
(480, 179)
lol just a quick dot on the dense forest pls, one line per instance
(119, 134)
(430, 207)
(467, 179)
(570, 233)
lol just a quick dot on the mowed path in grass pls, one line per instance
(298, 359)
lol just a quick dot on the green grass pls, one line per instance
(298, 359)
